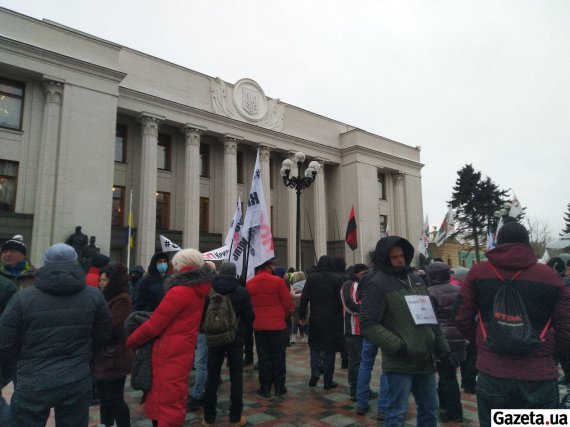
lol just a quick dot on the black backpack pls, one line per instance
(220, 323)
(509, 330)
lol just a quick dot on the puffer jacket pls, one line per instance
(78, 321)
(386, 320)
(23, 278)
(174, 326)
(271, 301)
(545, 297)
(241, 303)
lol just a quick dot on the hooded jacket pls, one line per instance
(385, 318)
(174, 327)
(51, 329)
(241, 303)
(150, 288)
(23, 278)
(271, 301)
(544, 296)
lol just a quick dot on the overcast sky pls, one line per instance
(481, 82)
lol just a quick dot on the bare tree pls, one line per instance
(539, 234)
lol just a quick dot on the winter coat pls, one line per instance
(7, 291)
(52, 328)
(141, 370)
(114, 360)
(443, 297)
(22, 279)
(151, 287)
(351, 307)
(545, 297)
(174, 324)
(322, 291)
(385, 317)
(241, 303)
(271, 301)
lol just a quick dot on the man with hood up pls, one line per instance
(151, 287)
(51, 330)
(506, 380)
(409, 349)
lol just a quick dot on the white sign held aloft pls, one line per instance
(168, 245)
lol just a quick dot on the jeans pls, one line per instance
(424, 389)
(113, 407)
(271, 348)
(201, 365)
(367, 358)
(353, 348)
(448, 390)
(328, 358)
(216, 357)
(504, 393)
(71, 403)
(383, 393)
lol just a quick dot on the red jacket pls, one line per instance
(92, 277)
(271, 301)
(174, 326)
(545, 297)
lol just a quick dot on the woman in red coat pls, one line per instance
(174, 328)
(112, 364)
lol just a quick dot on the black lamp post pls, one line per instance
(299, 183)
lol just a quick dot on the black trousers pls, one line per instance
(271, 348)
(248, 343)
(469, 368)
(216, 357)
(354, 348)
(112, 403)
(448, 390)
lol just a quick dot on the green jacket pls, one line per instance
(385, 319)
(24, 279)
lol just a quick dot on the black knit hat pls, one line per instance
(512, 232)
(359, 267)
(15, 243)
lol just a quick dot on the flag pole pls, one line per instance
(130, 229)
(311, 234)
(353, 259)
(337, 228)
(245, 264)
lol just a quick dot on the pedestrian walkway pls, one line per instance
(301, 406)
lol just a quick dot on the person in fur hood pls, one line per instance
(174, 327)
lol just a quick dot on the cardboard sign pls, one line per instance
(421, 309)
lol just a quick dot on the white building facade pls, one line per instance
(84, 121)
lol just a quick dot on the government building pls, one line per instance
(84, 122)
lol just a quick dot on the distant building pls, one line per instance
(83, 121)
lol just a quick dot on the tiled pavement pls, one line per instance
(301, 406)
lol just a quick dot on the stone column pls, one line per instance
(230, 180)
(264, 158)
(146, 224)
(399, 205)
(191, 233)
(292, 215)
(320, 212)
(42, 233)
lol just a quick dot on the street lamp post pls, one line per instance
(299, 183)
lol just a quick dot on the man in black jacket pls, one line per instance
(51, 330)
(227, 283)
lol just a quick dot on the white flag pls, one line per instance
(516, 208)
(256, 228)
(216, 254)
(424, 239)
(168, 245)
(233, 236)
(545, 258)
(446, 228)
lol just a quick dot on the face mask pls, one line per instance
(162, 268)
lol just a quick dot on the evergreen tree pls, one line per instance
(475, 200)
(566, 228)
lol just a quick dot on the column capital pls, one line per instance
(150, 123)
(399, 177)
(228, 137)
(188, 127)
(53, 91)
(264, 152)
(192, 134)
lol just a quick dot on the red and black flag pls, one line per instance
(351, 238)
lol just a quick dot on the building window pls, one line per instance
(271, 169)
(118, 205)
(11, 104)
(121, 143)
(239, 167)
(8, 184)
(204, 214)
(381, 186)
(164, 148)
(204, 160)
(162, 210)
(383, 225)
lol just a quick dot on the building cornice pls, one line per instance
(357, 149)
(29, 51)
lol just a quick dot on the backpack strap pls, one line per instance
(499, 275)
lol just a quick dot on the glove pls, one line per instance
(403, 350)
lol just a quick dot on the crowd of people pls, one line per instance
(70, 333)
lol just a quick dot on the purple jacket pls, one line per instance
(545, 297)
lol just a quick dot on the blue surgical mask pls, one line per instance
(162, 268)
